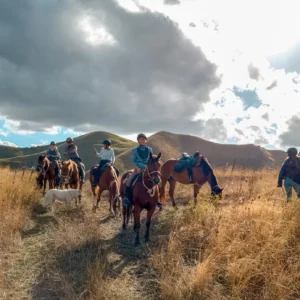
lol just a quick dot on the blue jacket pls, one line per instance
(72, 151)
(140, 156)
(54, 154)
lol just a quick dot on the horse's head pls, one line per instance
(217, 191)
(153, 167)
(40, 162)
(66, 170)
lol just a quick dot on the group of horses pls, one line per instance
(147, 188)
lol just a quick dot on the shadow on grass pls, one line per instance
(70, 274)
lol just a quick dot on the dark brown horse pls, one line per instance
(109, 182)
(202, 173)
(145, 196)
(70, 175)
(46, 173)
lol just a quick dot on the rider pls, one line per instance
(54, 156)
(106, 155)
(140, 157)
(290, 173)
(72, 152)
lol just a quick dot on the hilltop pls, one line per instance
(85, 143)
(170, 144)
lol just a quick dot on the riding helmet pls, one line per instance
(141, 135)
(52, 143)
(106, 142)
(292, 150)
(69, 140)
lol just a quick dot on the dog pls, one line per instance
(62, 195)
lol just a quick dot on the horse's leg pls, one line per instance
(137, 224)
(162, 191)
(45, 183)
(124, 212)
(172, 186)
(97, 200)
(197, 188)
(148, 223)
(94, 197)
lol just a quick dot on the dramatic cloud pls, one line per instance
(253, 72)
(95, 65)
(291, 136)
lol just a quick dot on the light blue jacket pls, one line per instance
(139, 161)
(54, 154)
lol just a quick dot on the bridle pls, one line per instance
(43, 171)
(151, 191)
(67, 177)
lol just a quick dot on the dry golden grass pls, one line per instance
(245, 246)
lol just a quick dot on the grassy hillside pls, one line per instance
(85, 145)
(172, 145)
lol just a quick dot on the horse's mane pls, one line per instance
(207, 169)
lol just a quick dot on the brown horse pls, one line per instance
(107, 182)
(145, 196)
(201, 173)
(70, 175)
(46, 173)
(126, 211)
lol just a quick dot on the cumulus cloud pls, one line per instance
(253, 72)
(7, 143)
(94, 65)
(272, 85)
(171, 2)
(291, 136)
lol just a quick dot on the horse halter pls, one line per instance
(150, 191)
(67, 177)
(42, 168)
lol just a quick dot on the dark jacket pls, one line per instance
(290, 168)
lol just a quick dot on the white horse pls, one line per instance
(63, 196)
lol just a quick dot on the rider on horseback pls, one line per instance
(72, 152)
(140, 157)
(106, 155)
(54, 157)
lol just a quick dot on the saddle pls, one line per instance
(186, 161)
(103, 168)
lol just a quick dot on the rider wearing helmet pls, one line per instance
(140, 157)
(290, 173)
(72, 152)
(54, 156)
(106, 155)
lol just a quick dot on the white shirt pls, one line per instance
(107, 154)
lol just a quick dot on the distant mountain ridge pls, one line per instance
(170, 144)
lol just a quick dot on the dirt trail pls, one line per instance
(35, 272)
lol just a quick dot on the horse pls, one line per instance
(202, 172)
(46, 172)
(70, 174)
(145, 195)
(126, 211)
(108, 181)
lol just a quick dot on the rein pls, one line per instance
(68, 177)
(150, 191)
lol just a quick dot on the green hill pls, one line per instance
(85, 143)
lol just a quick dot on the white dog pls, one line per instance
(62, 195)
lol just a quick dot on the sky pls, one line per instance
(226, 71)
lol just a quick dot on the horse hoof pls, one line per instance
(136, 243)
(147, 240)
(93, 209)
(124, 227)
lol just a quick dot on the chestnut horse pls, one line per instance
(145, 195)
(202, 173)
(70, 174)
(46, 173)
(107, 182)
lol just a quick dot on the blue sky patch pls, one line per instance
(249, 98)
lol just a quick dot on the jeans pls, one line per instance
(289, 184)
(97, 171)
